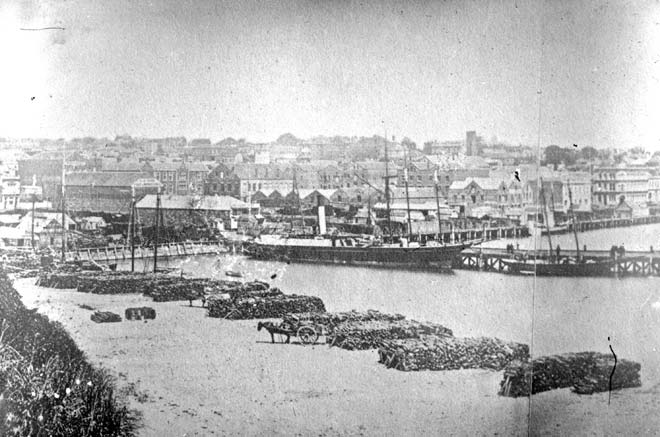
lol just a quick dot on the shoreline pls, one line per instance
(193, 375)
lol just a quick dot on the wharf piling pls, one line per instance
(633, 264)
(592, 225)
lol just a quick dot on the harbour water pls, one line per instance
(554, 315)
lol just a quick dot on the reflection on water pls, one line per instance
(575, 314)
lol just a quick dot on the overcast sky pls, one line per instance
(248, 69)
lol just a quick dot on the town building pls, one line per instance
(653, 195)
(180, 210)
(106, 192)
(222, 181)
(268, 198)
(47, 228)
(611, 185)
(423, 174)
(48, 173)
(254, 177)
(180, 178)
(468, 194)
(10, 192)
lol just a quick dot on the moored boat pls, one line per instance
(566, 267)
(352, 251)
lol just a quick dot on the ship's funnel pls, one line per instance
(321, 212)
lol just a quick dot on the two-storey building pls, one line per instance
(612, 185)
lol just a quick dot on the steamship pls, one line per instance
(354, 251)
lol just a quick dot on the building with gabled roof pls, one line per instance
(47, 230)
(105, 191)
(470, 193)
(182, 210)
(180, 177)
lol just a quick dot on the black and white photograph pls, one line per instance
(329, 218)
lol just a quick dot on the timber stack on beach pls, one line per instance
(450, 353)
(585, 372)
(263, 304)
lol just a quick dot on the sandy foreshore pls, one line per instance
(193, 375)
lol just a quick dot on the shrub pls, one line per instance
(47, 386)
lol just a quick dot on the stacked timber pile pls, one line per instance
(159, 286)
(125, 282)
(260, 304)
(450, 353)
(586, 372)
(140, 313)
(373, 334)
(332, 320)
(105, 317)
(58, 280)
(174, 288)
(236, 289)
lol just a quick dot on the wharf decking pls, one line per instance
(165, 250)
(483, 233)
(633, 263)
(592, 225)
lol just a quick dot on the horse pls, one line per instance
(274, 329)
(201, 295)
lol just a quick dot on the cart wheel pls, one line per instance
(307, 335)
(233, 314)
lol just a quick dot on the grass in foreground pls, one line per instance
(47, 386)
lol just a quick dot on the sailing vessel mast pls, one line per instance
(157, 230)
(387, 189)
(437, 202)
(545, 215)
(405, 178)
(570, 199)
(63, 203)
(369, 206)
(132, 228)
(295, 189)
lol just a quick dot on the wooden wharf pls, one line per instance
(634, 263)
(483, 233)
(166, 250)
(592, 225)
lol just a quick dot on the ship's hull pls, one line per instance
(603, 268)
(403, 257)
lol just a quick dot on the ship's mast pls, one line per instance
(63, 203)
(437, 202)
(405, 178)
(545, 215)
(132, 228)
(295, 188)
(387, 189)
(32, 232)
(369, 206)
(157, 230)
(570, 199)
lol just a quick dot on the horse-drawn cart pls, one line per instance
(306, 331)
